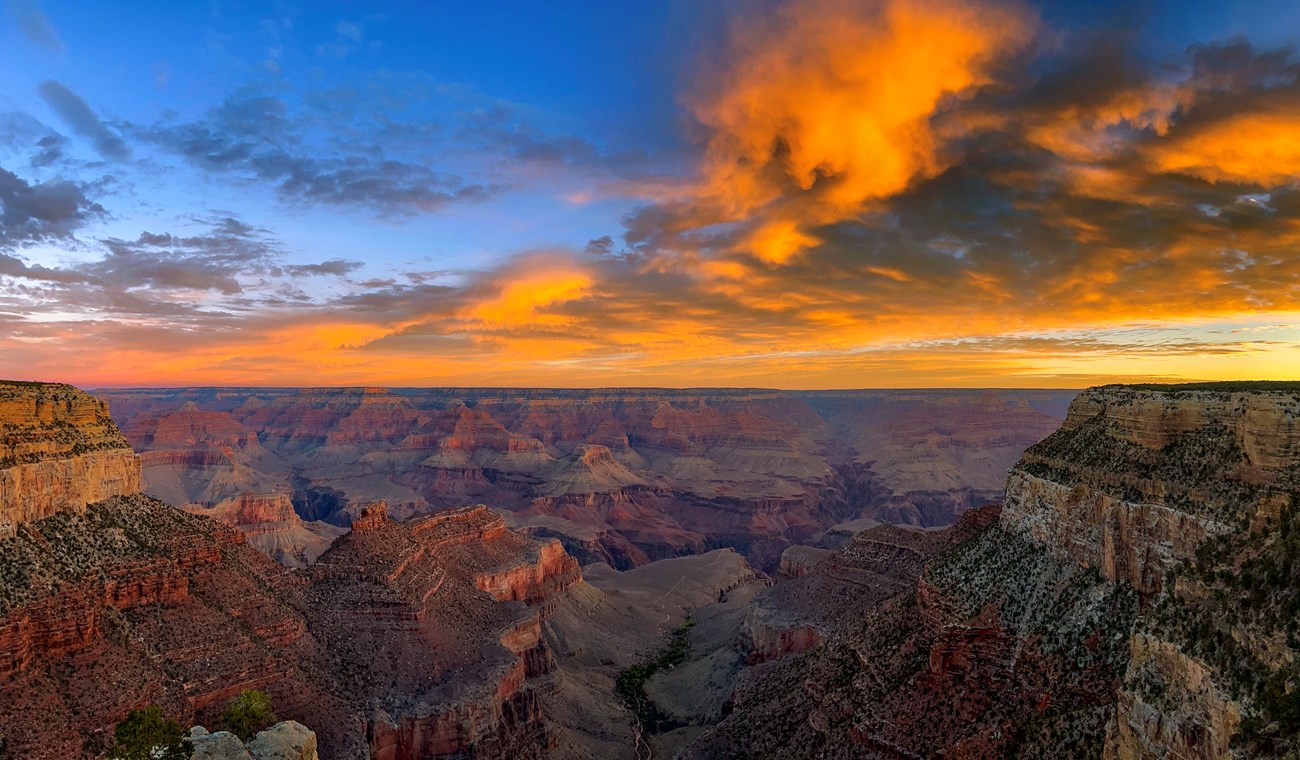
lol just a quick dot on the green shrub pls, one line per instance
(147, 735)
(248, 713)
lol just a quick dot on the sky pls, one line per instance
(767, 193)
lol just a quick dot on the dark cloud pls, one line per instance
(21, 132)
(81, 119)
(218, 260)
(50, 150)
(335, 267)
(12, 266)
(35, 24)
(507, 132)
(237, 270)
(41, 212)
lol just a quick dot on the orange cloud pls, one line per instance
(824, 106)
(1255, 148)
(524, 294)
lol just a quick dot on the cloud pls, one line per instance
(1254, 148)
(41, 212)
(819, 108)
(12, 266)
(82, 120)
(35, 24)
(336, 267)
(524, 293)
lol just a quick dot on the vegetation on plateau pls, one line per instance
(248, 713)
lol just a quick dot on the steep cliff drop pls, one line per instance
(405, 640)
(1137, 597)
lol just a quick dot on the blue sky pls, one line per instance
(377, 177)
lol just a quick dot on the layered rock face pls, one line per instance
(1137, 597)
(445, 665)
(59, 451)
(624, 476)
(1137, 479)
(273, 527)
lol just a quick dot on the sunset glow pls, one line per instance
(800, 194)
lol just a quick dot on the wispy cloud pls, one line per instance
(81, 119)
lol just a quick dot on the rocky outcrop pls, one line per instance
(798, 561)
(382, 592)
(59, 451)
(273, 527)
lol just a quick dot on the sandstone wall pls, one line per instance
(1266, 425)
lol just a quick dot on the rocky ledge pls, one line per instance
(59, 451)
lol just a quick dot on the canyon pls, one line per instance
(1133, 593)
(622, 476)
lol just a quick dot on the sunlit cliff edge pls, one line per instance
(59, 451)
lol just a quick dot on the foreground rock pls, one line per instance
(286, 740)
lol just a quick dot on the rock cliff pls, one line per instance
(59, 451)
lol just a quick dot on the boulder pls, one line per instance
(221, 745)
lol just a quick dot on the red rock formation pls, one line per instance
(186, 615)
(273, 527)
